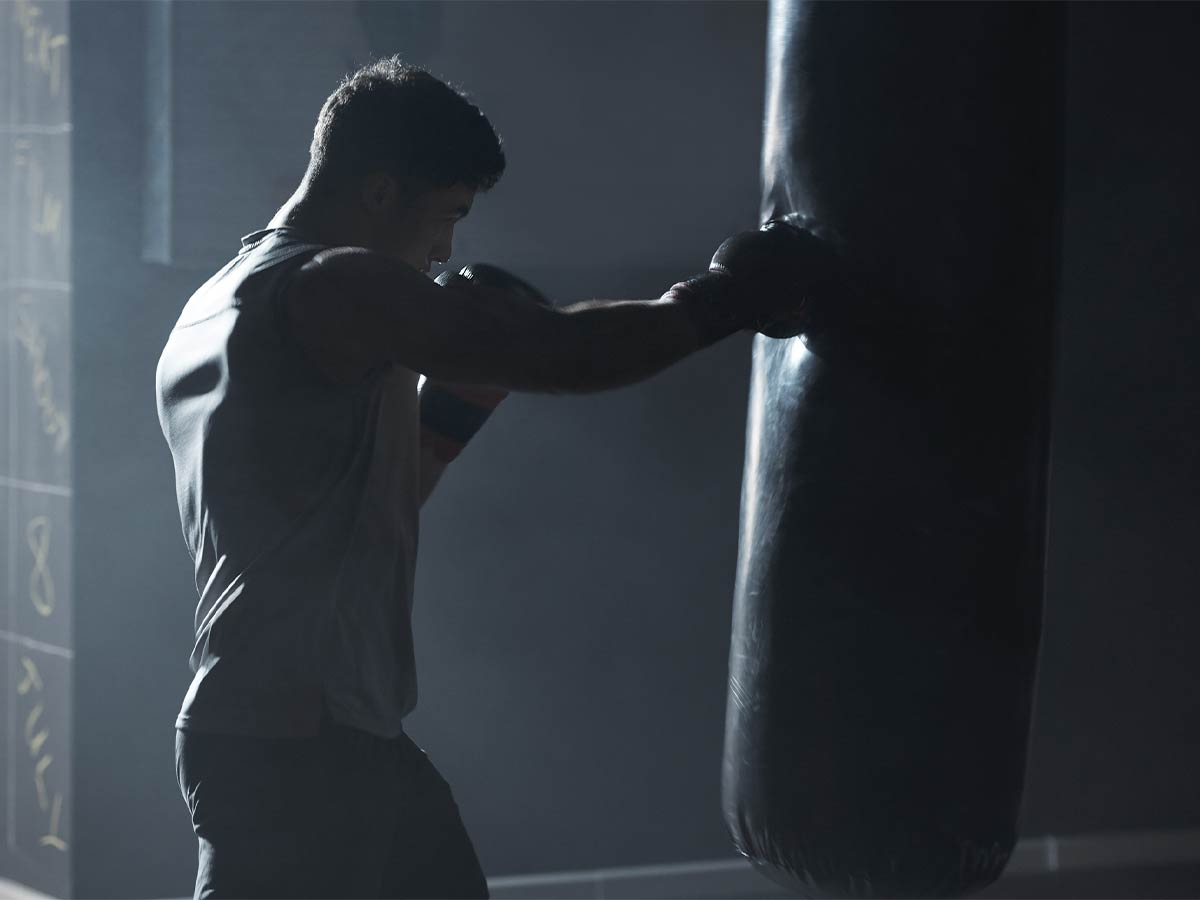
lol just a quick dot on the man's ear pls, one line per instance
(380, 192)
(409, 189)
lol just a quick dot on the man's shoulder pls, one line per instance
(350, 269)
(264, 250)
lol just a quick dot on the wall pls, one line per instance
(36, 445)
(1118, 720)
(574, 590)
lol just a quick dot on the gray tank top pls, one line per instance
(299, 501)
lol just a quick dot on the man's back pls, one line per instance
(299, 504)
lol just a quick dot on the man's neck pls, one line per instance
(318, 218)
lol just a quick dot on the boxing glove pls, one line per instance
(781, 280)
(451, 414)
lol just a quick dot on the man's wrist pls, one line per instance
(710, 302)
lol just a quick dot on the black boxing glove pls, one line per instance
(451, 414)
(773, 281)
(495, 277)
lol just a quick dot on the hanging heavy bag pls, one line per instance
(889, 587)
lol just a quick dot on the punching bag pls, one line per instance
(890, 576)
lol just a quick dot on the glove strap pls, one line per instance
(452, 414)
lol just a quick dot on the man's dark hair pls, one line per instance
(397, 118)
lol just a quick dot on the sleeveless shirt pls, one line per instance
(299, 501)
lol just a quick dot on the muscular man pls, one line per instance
(288, 394)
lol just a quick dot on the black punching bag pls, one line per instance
(890, 575)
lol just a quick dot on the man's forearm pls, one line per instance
(616, 343)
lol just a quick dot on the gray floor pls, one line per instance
(1162, 864)
(1099, 867)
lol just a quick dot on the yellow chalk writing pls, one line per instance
(28, 333)
(43, 50)
(52, 839)
(36, 737)
(41, 583)
(39, 780)
(45, 207)
(31, 723)
(32, 679)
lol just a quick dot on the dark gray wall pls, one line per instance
(574, 588)
(1118, 719)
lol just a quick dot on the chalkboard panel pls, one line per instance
(8, 215)
(35, 444)
(41, 544)
(39, 812)
(8, 757)
(35, 41)
(39, 175)
(6, 367)
(39, 350)
(8, 574)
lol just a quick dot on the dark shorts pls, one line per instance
(341, 814)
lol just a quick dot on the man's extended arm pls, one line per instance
(352, 309)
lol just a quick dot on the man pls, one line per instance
(288, 394)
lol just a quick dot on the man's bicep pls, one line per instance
(478, 335)
(356, 310)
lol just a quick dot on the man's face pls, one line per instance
(416, 223)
